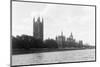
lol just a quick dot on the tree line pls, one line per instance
(28, 42)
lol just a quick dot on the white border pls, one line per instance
(5, 33)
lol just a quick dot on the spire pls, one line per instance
(34, 20)
(61, 33)
(38, 19)
(71, 35)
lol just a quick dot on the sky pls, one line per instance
(80, 20)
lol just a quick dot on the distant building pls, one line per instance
(81, 42)
(70, 38)
(38, 28)
(60, 40)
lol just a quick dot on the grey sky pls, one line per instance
(80, 20)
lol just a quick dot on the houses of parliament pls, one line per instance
(61, 39)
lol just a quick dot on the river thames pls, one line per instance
(54, 57)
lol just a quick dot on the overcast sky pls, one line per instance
(80, 20)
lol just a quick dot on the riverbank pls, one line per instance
(41, 50)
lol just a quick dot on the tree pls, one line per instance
(50, 43)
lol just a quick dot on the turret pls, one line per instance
(38, 20)
(61, 33)
(71, 36)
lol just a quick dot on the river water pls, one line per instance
(54, 57)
